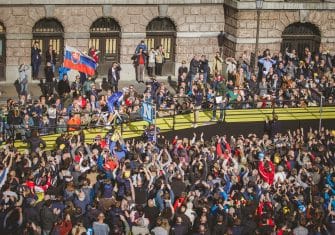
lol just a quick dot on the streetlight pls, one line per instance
(259, 6)
(221, 41)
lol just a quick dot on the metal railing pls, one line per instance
(98, 119)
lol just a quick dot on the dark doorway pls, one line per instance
(298, 36)
(162, 31)
(2, 52)
(49, 32)
(105, 37)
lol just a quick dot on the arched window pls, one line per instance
(49, 32)
(298, 36)
(2, 52)
(162, 31)
(105, 37)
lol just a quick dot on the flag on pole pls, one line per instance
(75, 59)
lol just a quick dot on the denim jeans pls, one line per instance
(221, 107)
(24, 89)
(35, 68)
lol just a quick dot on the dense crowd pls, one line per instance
(283, 80)
(278, 183)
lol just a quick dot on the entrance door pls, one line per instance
(49, 32)
(44, 43)
(2, 53)
(168, 43)
(105, 37)
(298, 36)
(162, 31)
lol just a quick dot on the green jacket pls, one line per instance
(221, 89)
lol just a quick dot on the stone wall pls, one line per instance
(196, 25)
(272, 24)
(229, 45)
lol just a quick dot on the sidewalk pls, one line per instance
(7, 90)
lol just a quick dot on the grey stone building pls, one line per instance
(183, 27)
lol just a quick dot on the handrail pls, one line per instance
(269, 103)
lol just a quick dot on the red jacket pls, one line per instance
(31, 184)
(267, 174)
(178, 203)
(93, 53)
(219, 152)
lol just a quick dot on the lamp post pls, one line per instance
(221, 41)
(259, 6)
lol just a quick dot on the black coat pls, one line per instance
(50, 57)
(63, 87)
(114, 79)
(194, 66)
(35, 55)
(48, 218)
(36, 142)
(49, 74)
(179, 229)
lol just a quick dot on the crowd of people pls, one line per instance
(278, 183)
(283, 80)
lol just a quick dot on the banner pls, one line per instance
(147, 112)
(75, 59)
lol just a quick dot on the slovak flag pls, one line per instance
(75, 59)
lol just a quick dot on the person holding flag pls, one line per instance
(77, 60)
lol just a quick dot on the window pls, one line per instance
(49, 32)
(162, 31)
(2, 52)
(298, 36)
(105, 37)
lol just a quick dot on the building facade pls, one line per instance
(183, 27)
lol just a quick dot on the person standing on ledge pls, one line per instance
(35, 59)
(114, 76)
(50, 57)
(159, 60)
(140, 65)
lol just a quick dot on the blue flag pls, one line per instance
(61, 71)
